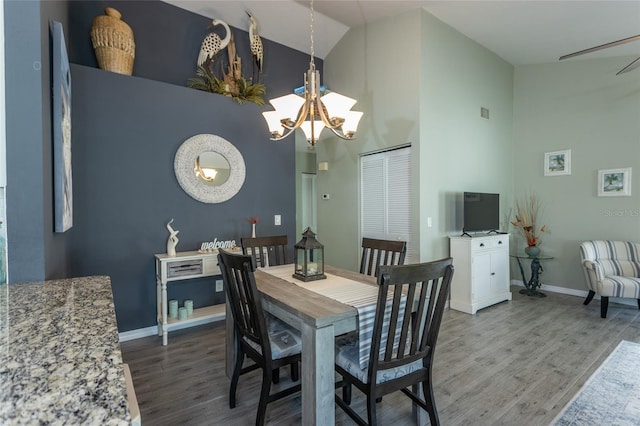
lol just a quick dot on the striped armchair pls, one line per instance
(611, 269)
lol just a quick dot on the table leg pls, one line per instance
(159, 305)
(318, 376)
(524, 280)
(165, 326)
(531, 286)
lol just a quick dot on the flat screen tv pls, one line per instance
(481, 212)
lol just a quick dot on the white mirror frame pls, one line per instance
(185, 160)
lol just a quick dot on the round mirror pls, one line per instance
(212, 168)
(209, 168)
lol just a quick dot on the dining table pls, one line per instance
(320, 310)
(319, 316)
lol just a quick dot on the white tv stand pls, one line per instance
(481, 276)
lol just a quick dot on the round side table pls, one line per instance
(532, 285)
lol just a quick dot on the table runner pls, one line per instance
(361, 296)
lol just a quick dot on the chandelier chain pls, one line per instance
(312, 112)
(312, 62)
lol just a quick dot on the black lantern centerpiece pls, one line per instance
(308, 258)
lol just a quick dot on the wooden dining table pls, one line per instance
(319, 319)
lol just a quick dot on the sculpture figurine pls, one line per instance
(172, 242)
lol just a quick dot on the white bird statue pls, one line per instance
(212, 44)
(255, 43)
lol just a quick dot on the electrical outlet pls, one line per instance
(218, 285)
(277, 220)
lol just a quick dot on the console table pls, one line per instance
(532, 285)
(185, 266)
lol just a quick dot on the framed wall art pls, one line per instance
(62, 176)
(557, 163)
(614, 182)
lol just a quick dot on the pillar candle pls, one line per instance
(173, 308)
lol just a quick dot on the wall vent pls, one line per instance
(484, 112)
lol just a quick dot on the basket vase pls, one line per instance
(113, 42)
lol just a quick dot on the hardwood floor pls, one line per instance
(514, 363)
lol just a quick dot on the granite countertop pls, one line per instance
(60, 360)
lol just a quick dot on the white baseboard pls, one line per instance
(579, 293)
(153, 330)
(138, 334)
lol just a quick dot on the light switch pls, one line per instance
(429, 222)
(277, 220)
(218, 285)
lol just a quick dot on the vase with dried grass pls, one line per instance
(526, 222)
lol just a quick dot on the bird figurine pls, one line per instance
(255, 43)
(212, 44)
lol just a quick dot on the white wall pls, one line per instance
(583, 106)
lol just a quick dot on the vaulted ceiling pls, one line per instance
(520, 32)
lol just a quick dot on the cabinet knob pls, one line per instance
(493, 273)
(499, 242)
(481, 244)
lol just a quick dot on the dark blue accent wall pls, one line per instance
(35, 251)
(125, 133)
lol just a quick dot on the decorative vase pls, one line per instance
(253, 230)
(532, 251)
(113, 42)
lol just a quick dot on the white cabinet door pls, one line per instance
(481, 276)
(500, 271)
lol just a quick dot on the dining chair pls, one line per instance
(409, 308)
(267, 251)
(381, 252)
(267, 341)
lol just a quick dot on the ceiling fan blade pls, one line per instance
(632, 66)
(602, 46)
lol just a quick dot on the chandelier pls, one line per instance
(311, 112)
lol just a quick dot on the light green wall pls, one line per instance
(379, 65)
(419, 81)
(305, 163)
(459, 150)
(583, 106)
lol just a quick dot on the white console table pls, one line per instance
(185, 266)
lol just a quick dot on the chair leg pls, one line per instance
(346, 393)
(590, 297)
(371, 411)
(604, 305)
(295, 372)
(430, 402)
(264, 396)
(235, 376)
(275, 376)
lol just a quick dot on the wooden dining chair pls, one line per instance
(381, 252)
(267, 341)
(410, 304)
(267, 251)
